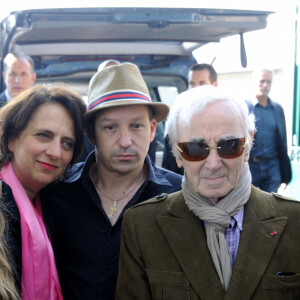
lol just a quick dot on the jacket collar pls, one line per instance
(81, 170)
(253, 101)
(155, 176)
(184, 231)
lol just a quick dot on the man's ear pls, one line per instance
(215, 83)
(246, 158)
(33, 78)
(153, 125)
(90, 134)
(4, 77)
(179, 162)
(11, 145)
(251, 135)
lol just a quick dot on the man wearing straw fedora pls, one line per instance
(84, 212)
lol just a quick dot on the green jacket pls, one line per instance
(164, 254)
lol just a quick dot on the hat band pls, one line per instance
(118, 96)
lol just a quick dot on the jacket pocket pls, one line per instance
(281, 287)
(169, 285)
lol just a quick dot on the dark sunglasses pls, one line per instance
(198, 150)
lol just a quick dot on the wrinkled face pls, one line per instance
(122, 138)
(18, 77)
(264, 85)
(213, 177)
(44, 149)
(198, 78)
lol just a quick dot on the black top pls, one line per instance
(85, 244)
(12, 233)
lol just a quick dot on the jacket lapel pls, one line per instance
(186, 236)
(259, 238)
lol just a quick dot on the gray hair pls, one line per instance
(193, 102)
(19, 56)
(256, 74)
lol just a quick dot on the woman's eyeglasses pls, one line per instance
(198, 150)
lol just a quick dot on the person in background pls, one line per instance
(108, 63)
(199, 74)
(84, 213)
(219, 237)
(18, 75)
(202, 74)
(269, 162)
(41, 134)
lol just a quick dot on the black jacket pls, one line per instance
(12, 233)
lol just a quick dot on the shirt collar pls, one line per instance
(239, 218)
(8, 97)
(254, 101)
(153, 174)
(81, 170)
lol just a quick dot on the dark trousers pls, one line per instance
(266, 174)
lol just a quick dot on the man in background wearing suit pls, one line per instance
(18, 75)
(269, 161)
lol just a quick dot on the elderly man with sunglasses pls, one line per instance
(219, 237)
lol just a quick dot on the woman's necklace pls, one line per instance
(113, 208)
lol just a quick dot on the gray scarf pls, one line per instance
(217, 218)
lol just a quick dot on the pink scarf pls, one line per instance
(39, 274)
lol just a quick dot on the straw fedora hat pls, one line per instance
(121, 85)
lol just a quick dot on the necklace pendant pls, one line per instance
(113, 209)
